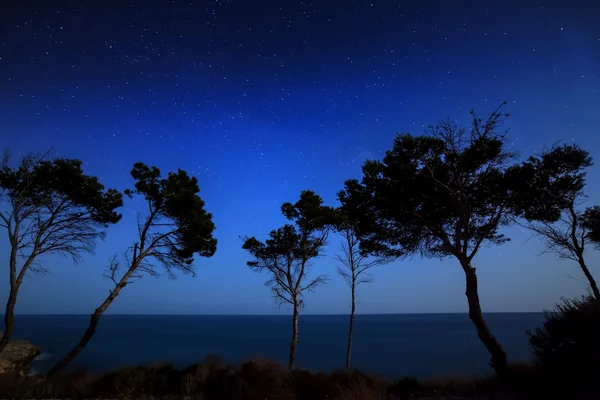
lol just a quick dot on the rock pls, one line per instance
(17, 356)
(5, 366)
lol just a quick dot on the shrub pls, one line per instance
(566, 349)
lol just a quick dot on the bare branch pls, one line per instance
(312, 285)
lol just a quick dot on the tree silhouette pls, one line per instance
(591, 222)
(447, 193)
(353, 267)
(287, 253)
(175, 228)
(554, 186)
(49, 207)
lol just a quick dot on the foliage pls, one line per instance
(177, 226)
(53, 207)
(450, 191)
(287, 253)
(591, 221)
(546, 185)
(566, 347)
(49, 206)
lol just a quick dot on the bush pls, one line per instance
(566, 349)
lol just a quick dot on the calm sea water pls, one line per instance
(418, 345)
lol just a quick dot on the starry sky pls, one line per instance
(262, 99)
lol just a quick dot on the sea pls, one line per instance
(392, 346)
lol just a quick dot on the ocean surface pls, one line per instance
(417, 345)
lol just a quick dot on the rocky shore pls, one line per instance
(17, 356)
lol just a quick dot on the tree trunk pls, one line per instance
(89, 333)
(15, 283)
(499, 362)
(294, 342)
(87, 336)
(590, 278)
(9, 316)
(351, 329)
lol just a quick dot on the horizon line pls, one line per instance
(273, 315)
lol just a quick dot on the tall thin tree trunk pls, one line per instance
(294, 342)
(351, 330)
(590, 278)
(499, 361)
(9, 316)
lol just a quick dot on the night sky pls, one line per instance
(262, 99)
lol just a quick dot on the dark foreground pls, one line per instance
(267, 380)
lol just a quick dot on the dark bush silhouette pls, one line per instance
(566, 349)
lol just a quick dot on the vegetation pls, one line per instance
(568, 239)
(263, 379)
(353, 267)
(568, 235)
(446, 193)
(175, 228)
(591, 222)
(49, 206)
(566, 348)
(287, 254)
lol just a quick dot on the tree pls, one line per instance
(447, 193)
(353, 267)
(562, 187)
(286, 256)
(175, 228)
(568, 239)
(49, 207)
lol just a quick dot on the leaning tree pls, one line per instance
(287, 254)
(447, 193)
(553, 186)
(49, 206)
(175, 228)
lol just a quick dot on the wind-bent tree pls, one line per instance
(286, 256)
(353, 267)
(175, 228)
(568, 239)
(559, 175)
(49, 206)
(447, 193)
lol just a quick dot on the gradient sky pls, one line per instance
(262, 99)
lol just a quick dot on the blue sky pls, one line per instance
(261, 99)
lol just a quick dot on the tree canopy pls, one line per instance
(53, 207)
(288, 250)
(177, 225)
(450, 190)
